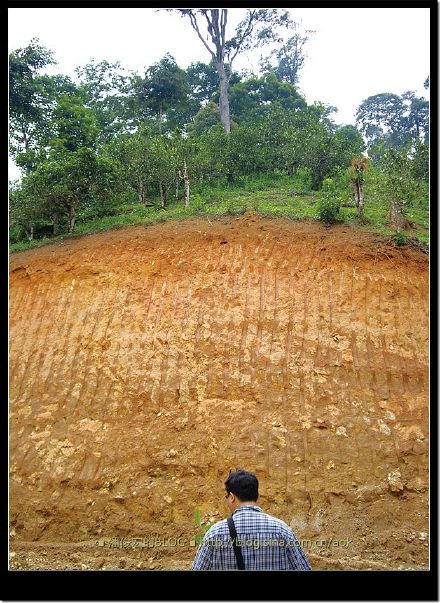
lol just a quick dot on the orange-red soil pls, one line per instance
(146, 363)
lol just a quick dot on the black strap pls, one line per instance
(237, 549)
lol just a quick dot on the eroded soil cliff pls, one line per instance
(146, 363)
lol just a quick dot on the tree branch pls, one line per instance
(210, 27)
(217, 39)
(194, 25)
(224, 19)
(244, 35)
(214, 32)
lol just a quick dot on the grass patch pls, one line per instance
(271, 199)
(25, 245)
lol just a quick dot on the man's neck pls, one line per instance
(245, 504)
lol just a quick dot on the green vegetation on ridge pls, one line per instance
(279, 197)
(115, 149)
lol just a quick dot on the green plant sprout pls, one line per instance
(202, 529)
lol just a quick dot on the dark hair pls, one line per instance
(243, 484)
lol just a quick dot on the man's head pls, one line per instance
(241, 487)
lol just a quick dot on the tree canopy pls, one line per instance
(258, 28)
(111, 135)
(392, 121)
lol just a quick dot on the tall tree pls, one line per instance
(259, 27)
(396, 168)
(357, 172)
(149, 162)
(165, 86)
(203, 81)
(67, 183)
(29, 101)
(290, 57)
(380, 115)
(133, 153)
(259, 92)
(24, 210)
(417, 116)
(74, 126)
(391, 121)
(106, 88)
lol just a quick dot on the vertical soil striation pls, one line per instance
(146, 363)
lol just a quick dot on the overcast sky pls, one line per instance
(354, 52)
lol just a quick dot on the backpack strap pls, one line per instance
(237, 549)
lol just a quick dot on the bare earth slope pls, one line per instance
(146, 363)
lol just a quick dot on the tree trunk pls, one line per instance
(71, 218)
(162, 194)
(186, 184)
(397, 217)
(30, 233)
(25, 139)
(354, 194)
(360, 200)
(177, 186)
(142, 193)
(55, 224)
(359, 196)
(224, 97)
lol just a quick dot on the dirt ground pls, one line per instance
(145, 363)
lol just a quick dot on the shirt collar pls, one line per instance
(248, 508)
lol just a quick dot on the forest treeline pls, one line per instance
(114, 137)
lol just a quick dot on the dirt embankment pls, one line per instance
(146, 363)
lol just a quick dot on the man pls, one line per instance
(265, 542)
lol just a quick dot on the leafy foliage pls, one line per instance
(107, 90)
(202, 529)
(165, 88)
(400, 239)
(329, 204)
(398, 186)
(29, 101)
(290, 57)
(207, 117)
(259, 28)
(391, 121)
(111, 149)
(255, 94)
(75, 126)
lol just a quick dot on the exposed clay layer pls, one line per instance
(146, 363)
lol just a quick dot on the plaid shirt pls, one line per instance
(267, 543)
